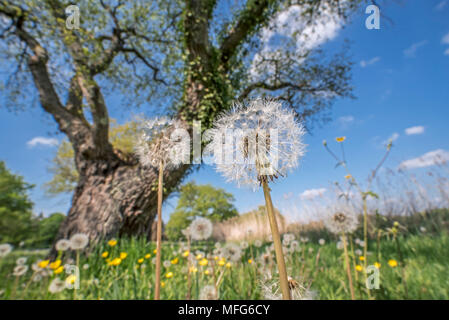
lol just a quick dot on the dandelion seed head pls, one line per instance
(79, 241)
(5, 249)
(57, 285)
(201, 228)
(257, 141)
(341, 220)
(20, 270)
(21, 261)
(208, 293)
(159, 142)
(62, 245)
(232, 252)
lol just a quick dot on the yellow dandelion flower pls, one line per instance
(362, 258)
(392, 263)
(112, 242)
(59, 270)
(162, 284)
(148, 256)
(174, 261)
(377, 265)
(193, 269)
(348, 176)
(55, 264)
(228, 265)
(340, 139)
(43, 264)
(359, 268)
(216, 258)
(105, 254)
(250, 261)
(199, 256)
(140, 260)
(221, 263)
(186, 253)
(207, 272)
(203, 262)
(169, 275)
(115, 262)
(70, 279)
(154, 251)
(123, 255)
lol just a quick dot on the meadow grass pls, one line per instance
(315, 266)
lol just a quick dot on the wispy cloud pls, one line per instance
(428, 159)
(414, 130)
(445, 40)
(410, 52)
(345, 121)
(365, 63)
(446, 53)
(47, 142)
(441, 5)
(312, 193)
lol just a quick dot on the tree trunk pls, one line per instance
(113, 199)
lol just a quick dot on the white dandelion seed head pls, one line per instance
(79, 241)
(208, 293)
(5, 249)
(361, 243)
(322, 242)
(341, 219)
(244, 245)
(162, 140)
(37, 277)
(201, 228)
(294, 246)
(340, 245)
(166, 264)
(232, 252)
(256, 141)
(21, 261)
(358, 252)
(57, 285)
(62, 245)
(20, 270)
(422, 229)
(271, 290)
(258, 243)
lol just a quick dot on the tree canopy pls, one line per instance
(205, 201)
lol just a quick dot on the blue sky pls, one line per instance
(400, 79)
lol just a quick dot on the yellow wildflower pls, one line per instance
(359, 268)
(70, 279)
(207, 272)
(162, 284)
(228, 265)
(115, 262)
(186, 253)
(43, 264)
(340, 139)
(348, 176)
(199, 256)
(193, 269)
(221, 263)
(148, 256)
(55, 264)
(140, 260)
(123, 255)
(203, 262)
(377, 265)
(155, 251)
(59, 270)
(392, 263)
(174, 261)
(112, 242)
(169, 275)
(250, 261)
(105, 254)
(362, 258)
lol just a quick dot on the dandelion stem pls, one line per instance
(277, 243)
(159, 233)
(348, 267)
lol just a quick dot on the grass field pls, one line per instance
(317, 268)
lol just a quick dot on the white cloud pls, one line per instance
(365, 63)
(445, 39)
(446, 53)
(426, 160)
(312, 193)
(346, 119)
(287, 26)
(414, 130)
(440, 6)
(411, 51)
(48, 142)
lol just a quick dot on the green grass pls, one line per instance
(426, 271)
